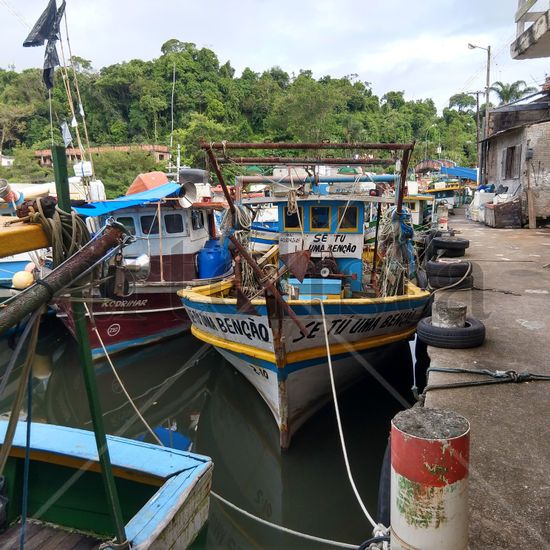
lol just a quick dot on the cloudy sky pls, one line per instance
(418, 47)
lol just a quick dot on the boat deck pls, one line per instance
(46, 537)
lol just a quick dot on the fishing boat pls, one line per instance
(164, 493)
(174, 241)
(314, 309)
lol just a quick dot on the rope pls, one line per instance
(379, 529)
(130, 400)
(51, 114)
(18, 401)
(66, 231)
(17, 351)
(495, 377)
(281, 528)
(77, 88)
(468, 271)
(65, 75)
(25, 496)
(396, 246)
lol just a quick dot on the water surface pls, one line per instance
(207, 407)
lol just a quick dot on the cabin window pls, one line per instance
(173, 223)
(294, 222)
(348, 218)
(197, 219)
(129, 223)
(411, 206)
(320, 218)
(149, 225)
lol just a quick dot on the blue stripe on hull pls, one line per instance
(97, 353)
(290, 368)
(330, 309)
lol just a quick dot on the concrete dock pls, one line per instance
(510, 423)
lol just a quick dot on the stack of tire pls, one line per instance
(442, 274)
(451, 247)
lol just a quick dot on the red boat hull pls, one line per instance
(138, 320)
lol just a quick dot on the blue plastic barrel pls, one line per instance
(214, 259)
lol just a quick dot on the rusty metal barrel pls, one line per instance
(429, 480)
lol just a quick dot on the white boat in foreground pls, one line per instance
(279, 342)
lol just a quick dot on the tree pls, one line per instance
(464, 102)
(117, 170)
(511, 92)
(12, 122)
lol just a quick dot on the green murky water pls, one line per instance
(207, 407)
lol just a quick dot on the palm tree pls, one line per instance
(511, 92)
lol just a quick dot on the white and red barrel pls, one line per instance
(429, 480)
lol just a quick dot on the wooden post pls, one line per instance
(531, 211)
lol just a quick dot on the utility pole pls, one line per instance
(478, 127)
(487, 90)
(487, 87)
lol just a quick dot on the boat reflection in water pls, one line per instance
(211, 409)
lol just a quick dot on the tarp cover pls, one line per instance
(104, 207)
(460, 172)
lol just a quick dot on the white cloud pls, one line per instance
(418, 47)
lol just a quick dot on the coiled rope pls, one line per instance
(66, 231)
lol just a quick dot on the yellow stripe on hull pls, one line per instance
(302, 355)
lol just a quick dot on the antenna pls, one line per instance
(172, 106)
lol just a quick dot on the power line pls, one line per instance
(15, 13)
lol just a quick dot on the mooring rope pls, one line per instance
(378, 528)
(281, 528)
(108, 357)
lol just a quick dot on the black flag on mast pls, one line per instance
(47, 29)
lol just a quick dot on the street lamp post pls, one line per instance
(487, 89)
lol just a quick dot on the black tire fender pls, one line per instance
(452, 253)
(438, 281)
(470, 336)
(451, 243)
(447, 269)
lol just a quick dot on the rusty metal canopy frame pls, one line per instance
(225, 158)
(224, 147)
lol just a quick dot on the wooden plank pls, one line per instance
(17, 238)
(45, 537)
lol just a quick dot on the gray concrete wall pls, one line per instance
(538, 138)
(535, 172)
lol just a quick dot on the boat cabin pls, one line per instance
(421, 208)
(171, 236)
(333, 232)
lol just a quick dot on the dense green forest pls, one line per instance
(131, 103)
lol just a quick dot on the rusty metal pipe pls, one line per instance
(304, 146)
(219, 175)
(305, 161)
(267, 284)
(42, 292)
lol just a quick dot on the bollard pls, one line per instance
(446, 314)
(442, 213)
(429, 480)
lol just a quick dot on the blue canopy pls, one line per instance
(152, 195)
(460, 172)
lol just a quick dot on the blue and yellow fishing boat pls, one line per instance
(319, 307)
